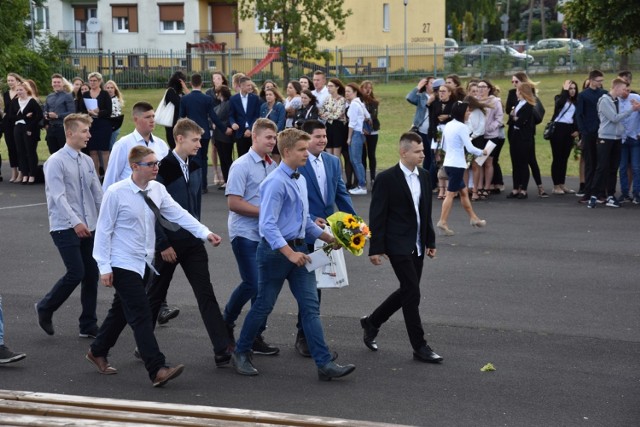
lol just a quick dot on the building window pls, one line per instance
(119, 62)
(125, 18)
(76, 62)
(212, 64)
(171, 18)
(182, 63)
(262, 25)
(42, 17)
(382, 62)
(386, 18)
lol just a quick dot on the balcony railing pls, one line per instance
(82, 39)
(230, 40)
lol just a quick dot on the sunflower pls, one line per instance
(350, 221)
(357, 242)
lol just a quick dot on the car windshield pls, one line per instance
(511, 50)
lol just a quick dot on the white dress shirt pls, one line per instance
(73, 190)
(321, 96)
(455, 138)
(321, 174)
(119, 168)
(413, 181)
(125, 234)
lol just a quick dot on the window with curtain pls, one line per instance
(125, 18)
(171, 17)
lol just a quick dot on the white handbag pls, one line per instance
(164, 113)
(334, 274)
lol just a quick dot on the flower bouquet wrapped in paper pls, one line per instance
(350, 231)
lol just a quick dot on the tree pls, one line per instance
(296, 26)
(609, 23)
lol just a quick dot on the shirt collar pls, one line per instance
(182, 162)
(313, 158)
(135, 188)
(286, 169)
(139, 137)
(407, 172)
(71, 152)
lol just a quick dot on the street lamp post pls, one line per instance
(406, 59)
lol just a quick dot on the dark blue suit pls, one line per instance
(199, 107)
(337, 195)
(243, 119)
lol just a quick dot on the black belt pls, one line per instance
(295, 242)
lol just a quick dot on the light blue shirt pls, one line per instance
(125, 234)
(245, 176)
(631, 123)
(284, 208)
(73, 190)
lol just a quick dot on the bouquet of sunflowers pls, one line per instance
(350, 232)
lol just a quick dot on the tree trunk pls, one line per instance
(543, 20)
(531, 4)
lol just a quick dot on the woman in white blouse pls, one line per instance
(357, 114)
(562, 138)
(476, 125)
(455, 140)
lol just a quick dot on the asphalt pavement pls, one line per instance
(547, 292)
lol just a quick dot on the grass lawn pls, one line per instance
(396, 116)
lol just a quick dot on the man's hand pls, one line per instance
(169, 255)
(298, 258)
(320, 222)
(107, 280)
(247, 133)
(214, 239)
(229, 132)
(431, 252)
(82, 231)
(377, 259)
(235, 126)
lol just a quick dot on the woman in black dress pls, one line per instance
(8, 123)
(521, 138)
(177, 88)
(27, 112)
(98, 145)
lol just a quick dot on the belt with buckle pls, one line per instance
(295, 242)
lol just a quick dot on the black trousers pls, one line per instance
(242, 145)
(193, 258)
(590, 156)
(130, 306)
(27, 148)
(225, 155)
(561, 145)
(408, 269)
(55, 138)
(371, 142)
(497, 170)
(170, 140)
(606, 176)
(520, 144)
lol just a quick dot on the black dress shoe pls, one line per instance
(243, 365)
(301, 345)
(370, 334)
(425, 354)
(44, 321)
(332, 370)
(222, 359)
(168, 314)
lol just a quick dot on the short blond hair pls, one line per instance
(70, 122)
(288, 138)
(138, 153)
(184, 126)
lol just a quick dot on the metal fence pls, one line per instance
(152, 68)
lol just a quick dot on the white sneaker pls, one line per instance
(358, 191)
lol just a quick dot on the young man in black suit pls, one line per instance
(200, 108)
(402, 231)
(244, 111)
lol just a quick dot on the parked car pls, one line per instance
(475, 55)
(561, 49)
(450, 47)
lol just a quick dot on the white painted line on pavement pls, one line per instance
(22, 206)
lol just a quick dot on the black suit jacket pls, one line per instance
(392, 217)
(199, 107)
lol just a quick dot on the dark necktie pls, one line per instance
(163, 222)
(295, 175)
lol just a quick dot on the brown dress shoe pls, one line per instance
(167, 373)
(101, 364)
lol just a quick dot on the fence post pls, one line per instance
(336, 61)
(388, 61)
(171, 61)
(435, 60)
(112, 55)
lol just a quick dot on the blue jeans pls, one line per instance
(355, 154)
(273, 269)
(630, 154)
(77, 255)
(130, 306)
(245, 253)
